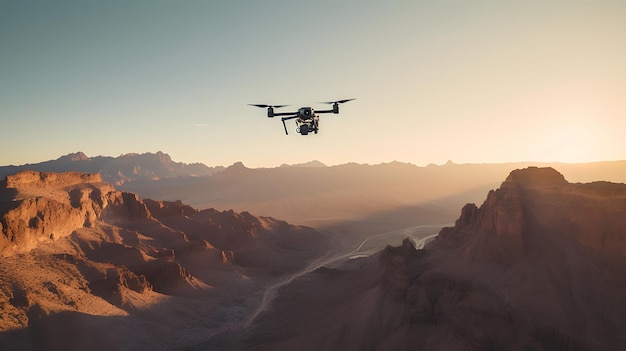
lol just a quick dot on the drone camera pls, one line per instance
(304, 129)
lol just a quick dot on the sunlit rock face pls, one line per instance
(40, 206)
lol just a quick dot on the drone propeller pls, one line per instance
(337, 102)
(265, 106)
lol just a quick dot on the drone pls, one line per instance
(307, 119)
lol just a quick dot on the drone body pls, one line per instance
(307, 119)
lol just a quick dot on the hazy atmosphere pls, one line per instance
(480, 81)
(469, 193)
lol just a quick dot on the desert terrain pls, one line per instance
(84, 266)
(538, 266)
(312, 175)
(89, 265)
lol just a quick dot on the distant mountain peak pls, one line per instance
(310, 164)
(159, 155)
(78, 156)
(163, 157)
(236, 168)
(237, 165)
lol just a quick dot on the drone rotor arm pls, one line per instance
(295, 114)
(335, 104)
(323, 111)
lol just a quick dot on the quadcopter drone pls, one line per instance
(307, 119)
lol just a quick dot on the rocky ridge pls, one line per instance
(48, 206)
(537, 266)
(73, 246)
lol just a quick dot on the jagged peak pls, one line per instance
(237, 166)
(163, 157)
(73, 157)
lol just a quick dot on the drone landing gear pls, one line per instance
(284, 126)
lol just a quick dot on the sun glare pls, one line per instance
(570, 137)
(569, 144)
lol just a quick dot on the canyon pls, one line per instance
(87, 266)
(80, 258)
(538, 266)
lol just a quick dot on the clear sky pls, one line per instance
(467, 81)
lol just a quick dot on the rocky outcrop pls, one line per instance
(122, 206)
(47, 206)
(536, 209)
(113, 283)
(535, 267)
(40, 207)
(400, 264)
(165, 209)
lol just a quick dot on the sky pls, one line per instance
(468, 81)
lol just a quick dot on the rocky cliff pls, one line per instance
(537, 266)
(42, 206)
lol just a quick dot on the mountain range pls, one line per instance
(384, 196)
(87, 264)
(118, 170)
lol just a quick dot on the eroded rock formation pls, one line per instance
(537, 266)
(74, 249)
(47, 206)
